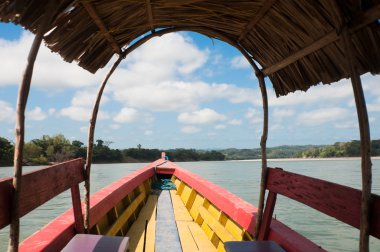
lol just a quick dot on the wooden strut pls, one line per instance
(263, 145)
(256, 19)
(150, 15)
(365, 144)
(90, 144)
(23, 93)
(102, 27)
(361, 20)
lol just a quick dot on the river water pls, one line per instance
(243, 179)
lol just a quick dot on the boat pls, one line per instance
(296, 44)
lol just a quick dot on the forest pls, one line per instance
(54, 149)
(57, 148)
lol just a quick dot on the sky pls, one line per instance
(181, 90)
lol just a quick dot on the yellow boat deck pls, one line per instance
(142, 233)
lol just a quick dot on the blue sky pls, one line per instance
(179, 90)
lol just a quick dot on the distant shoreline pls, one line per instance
(306, 159)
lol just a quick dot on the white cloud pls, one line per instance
(83, 129)
(148, 132)
(203, 116)
(36, 114)
(280, 114)
(346, 125)
(276, 127)
(220, 126)
(51, 111)
(115, 126)
(86, 98)
(50, 70)
(126, 115)
(321, 116)
(81, 113)
(169, 86)
(320, 94)
(240, 62)
(254, 116)
(190, 129)
(235, 122)
(7, 114)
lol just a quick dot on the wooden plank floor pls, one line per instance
(192, 237)
(137, 231)
(173, 218)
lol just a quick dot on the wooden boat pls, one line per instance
(297, 44)
(201, 216)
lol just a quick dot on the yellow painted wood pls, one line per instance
(208, 231)
(187, 240)
(194, 210)
(234, 229)
(215, 225)
(185, 195)
(177, 183)
(180, 211)
(213, 210)
(117, 225)
(221, 247)
(180, 187)
(203, 243)
(137, 231)
(103, 225)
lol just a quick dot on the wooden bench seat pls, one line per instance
(97, 243)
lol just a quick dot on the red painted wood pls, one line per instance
(290, 240)
(6, 189)
(239, 210)
(40, 186)
(108, 197)
(77, 209)
(338, 201)
(54, 236)
(267, 216)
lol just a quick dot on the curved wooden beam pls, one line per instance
(90, 143)
(126, 52)
(23, 93)
(263, 145)
(365, 144)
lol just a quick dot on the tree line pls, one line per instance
(338, 149)
(57, 148)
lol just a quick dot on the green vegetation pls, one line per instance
(339, 149)
(53, 149)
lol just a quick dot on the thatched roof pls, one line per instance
(296, 42)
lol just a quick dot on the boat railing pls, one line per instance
(42, 185)
(338, 201)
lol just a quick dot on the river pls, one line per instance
(243, 179)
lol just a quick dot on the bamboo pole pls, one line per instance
(365, 144)
(263, 145)
(90, 143)
(23, 93)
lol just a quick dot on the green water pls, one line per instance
(241, 178)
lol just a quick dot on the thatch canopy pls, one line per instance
(297, 43)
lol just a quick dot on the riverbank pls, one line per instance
(306, 159)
